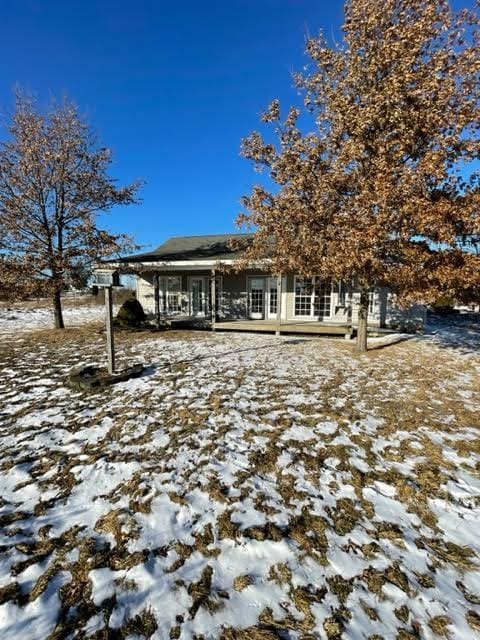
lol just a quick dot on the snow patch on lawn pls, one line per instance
(248, 483)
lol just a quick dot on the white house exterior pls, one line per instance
(194, 278)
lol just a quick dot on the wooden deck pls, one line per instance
(270, 326)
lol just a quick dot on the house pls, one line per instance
(191, 279)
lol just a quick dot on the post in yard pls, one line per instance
(109, 327)
(90, 377)
(107, 279)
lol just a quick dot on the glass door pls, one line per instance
(272, 301)
(197, 296)
(322, 304)
(256, 298)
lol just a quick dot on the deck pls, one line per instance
(270, 326)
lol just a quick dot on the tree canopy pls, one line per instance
(54, 182)
(383, 189)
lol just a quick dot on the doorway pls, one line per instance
(198, 297)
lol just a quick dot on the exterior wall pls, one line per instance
(384, 313)
(290, 297)
(412, 319)
(145, 293)
(233, 301)
(377, 308)
(233, 298)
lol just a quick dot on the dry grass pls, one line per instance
(321, 502)
(242, 582)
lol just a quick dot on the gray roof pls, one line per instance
(211, 247)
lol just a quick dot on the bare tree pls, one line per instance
(53, 184)
(382, 191)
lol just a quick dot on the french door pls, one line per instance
(271, 298)
(262, 298)
(256, 297)
(322, 300)
(170, 296)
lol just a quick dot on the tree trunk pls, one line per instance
(362, 322)
(57, 310)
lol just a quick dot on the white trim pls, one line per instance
(176, 264)
(268, 281)
(165, 292)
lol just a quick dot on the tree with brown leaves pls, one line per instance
(54, 182)
(382, 191)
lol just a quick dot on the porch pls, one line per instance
(247, 301)
(192, 281)
(259, 326)
(285, 326)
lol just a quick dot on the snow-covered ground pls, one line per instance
(15, 318)
(247, 486)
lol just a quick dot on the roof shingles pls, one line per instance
(192, 248)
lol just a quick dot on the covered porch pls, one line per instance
(196, 281)
(249, 301)
(204, 297)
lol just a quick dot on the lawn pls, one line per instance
(246, 487)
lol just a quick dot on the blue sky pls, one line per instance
(172, 87)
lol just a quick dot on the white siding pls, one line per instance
(145, 293)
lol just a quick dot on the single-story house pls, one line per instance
(191, 279)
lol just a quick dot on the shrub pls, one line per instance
(131, 314)
(443, 305)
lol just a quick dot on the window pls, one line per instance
(272, 298)
(174, 301)
(170, 294)
(303, 296)
(374, 304)
(313, 297)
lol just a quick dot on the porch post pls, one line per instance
(156, 285)
(279, 305)
(213, 306)
(109, 327)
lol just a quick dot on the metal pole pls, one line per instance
(109, 324)
(279, 305)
